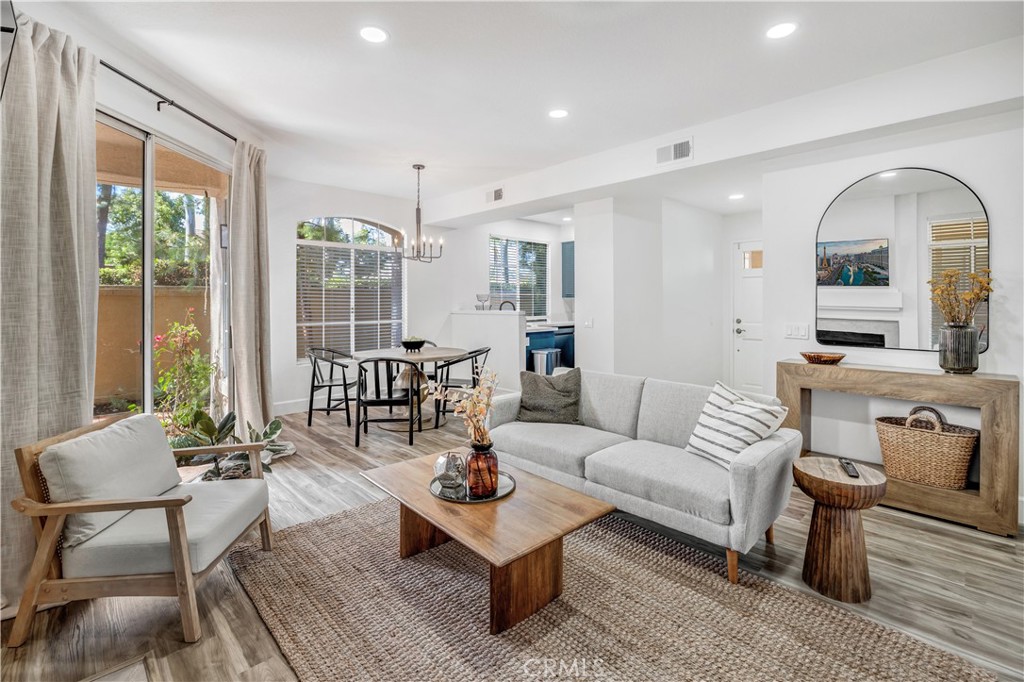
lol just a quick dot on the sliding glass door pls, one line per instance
(189, 200)
(162, 337)
(120, 158)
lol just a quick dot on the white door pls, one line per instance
(746, 322)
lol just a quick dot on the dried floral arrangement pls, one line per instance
(473, 404)
(958, 297)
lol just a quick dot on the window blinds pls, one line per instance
(347, 297)
(963, 245)
(518, 272)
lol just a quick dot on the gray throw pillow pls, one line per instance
(551, 399)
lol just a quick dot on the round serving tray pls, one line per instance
(506, 484)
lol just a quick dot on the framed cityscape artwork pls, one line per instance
(854, 263)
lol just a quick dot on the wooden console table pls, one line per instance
(993, 506)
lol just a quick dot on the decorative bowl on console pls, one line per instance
(824, 358)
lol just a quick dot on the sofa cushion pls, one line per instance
(669, 410)
(130, 458)
(139, 542)
(551, 399)
(729, 424)
(558, 446)
(610, 402)
(665, 475)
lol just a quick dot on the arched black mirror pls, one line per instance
(879, 242)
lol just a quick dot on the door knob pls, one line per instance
(738, 320)
(740, 331)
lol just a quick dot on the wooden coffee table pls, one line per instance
(520, 536)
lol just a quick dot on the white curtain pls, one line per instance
(220, 383)
(250, 287)
(48, 262)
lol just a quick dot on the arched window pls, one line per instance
(350, 287)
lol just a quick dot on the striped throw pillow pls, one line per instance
(730, 423)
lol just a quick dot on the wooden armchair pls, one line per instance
(126, 547)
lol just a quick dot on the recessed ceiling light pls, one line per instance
(558, 113)
(887, 174)
(781, 30)
(567, 219)
(735, 197)
(372, 34)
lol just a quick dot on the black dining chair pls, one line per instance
(390, 383)
(329, 371)
(477, 359)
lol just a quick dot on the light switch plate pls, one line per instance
(589, 323)
(797, 331)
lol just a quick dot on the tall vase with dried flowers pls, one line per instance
(473, 404)
(957, 297)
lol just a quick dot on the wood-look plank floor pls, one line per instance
(953, 587)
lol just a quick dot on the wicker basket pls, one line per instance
(923, 448)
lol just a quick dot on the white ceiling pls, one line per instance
(556, 217)
(465, 87)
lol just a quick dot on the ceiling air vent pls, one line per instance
(495, 194)
(675, 152)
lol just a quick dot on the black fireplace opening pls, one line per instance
(831, 337)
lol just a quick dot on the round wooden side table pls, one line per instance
(836, 558)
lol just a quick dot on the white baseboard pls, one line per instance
(298, 406)
(291, 407)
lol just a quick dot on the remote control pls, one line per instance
(849, 468)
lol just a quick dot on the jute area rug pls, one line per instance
(635, 606)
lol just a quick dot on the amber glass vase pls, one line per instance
(481, 472)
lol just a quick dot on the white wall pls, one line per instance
(466, 259)
(595, 285)
(639, 335)
(288, 203)
(989, 163)
(692, 290)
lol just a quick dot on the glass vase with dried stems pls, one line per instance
(957, 296)
(473, 404)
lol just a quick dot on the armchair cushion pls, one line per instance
(130, 458)
(139, 542)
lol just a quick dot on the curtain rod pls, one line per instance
(163, 99)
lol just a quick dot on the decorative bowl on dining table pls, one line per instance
(413, 344)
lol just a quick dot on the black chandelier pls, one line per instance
(421, 249)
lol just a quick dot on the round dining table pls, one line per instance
(427, 354)
(422, 356)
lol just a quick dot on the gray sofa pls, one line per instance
(628, 451)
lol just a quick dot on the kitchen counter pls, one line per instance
(534, 327)
(503, 331)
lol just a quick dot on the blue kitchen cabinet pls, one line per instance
(565, 341)
(537, 341)
(568, 269)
